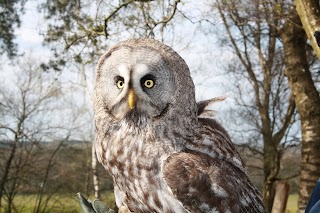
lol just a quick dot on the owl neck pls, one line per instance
(169, 125)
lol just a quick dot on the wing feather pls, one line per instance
(209, 175)
(205, 184)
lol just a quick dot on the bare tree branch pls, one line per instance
(165, 20)
(286, 121)
(107, 19)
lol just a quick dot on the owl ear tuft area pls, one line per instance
(203, 106)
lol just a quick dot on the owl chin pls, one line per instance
(135, 116)
(139, 116)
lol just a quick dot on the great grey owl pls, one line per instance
(150, 136)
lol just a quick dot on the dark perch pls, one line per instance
(92, 207)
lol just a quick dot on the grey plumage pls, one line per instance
(162, 156)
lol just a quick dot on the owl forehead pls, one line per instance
(139, 60)
(126, 70)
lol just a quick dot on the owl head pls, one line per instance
(143, 79)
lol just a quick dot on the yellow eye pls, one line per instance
(148, 84)
(120, 84)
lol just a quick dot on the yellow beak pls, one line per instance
(131, 99)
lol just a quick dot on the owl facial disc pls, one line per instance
(136, 82)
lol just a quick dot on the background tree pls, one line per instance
(86, 34)
(277, 19)
(309, 13)
(10, 19)
(266, 106)
(307, 100)
(29, 101)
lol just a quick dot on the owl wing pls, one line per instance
(205, 184)
(209, 174)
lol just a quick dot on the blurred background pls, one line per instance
(256, 53)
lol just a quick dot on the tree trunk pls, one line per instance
(7, 170)
(267, 194)
(281, 197)
(308, 105)
(95, 174)
(271, 171)
(309, 12)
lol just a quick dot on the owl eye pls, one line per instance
(120, 84)
(149, 83)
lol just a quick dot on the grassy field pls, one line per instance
(69, 203)
(292, 205)
(57, 203)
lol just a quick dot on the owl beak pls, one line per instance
(131, 99)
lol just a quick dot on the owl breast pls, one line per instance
(134, 157)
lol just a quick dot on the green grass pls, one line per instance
(69, 203)
(57, 203)
(292, 204)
